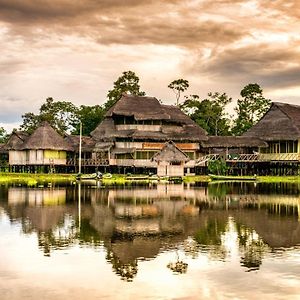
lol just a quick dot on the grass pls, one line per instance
(270, 179)
(36, 179)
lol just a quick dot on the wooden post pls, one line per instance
(80, 134)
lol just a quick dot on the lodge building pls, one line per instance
(139, 134)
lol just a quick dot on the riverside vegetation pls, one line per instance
(44, 179)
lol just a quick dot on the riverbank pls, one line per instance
(35, 179)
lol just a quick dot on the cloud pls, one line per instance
(75, 50)
(117, 22)
(270, 66)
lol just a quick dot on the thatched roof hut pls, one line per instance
(233, 142)
(281, 122)
(148, 108)
(15, 141)
(170, 153)
(46, 138)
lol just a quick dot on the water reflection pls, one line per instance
(135, 224)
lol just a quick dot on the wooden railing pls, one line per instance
(88, 162)
(279, 156)
(242, 157)
(249, 157)
(206, 158)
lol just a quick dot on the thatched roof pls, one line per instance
(170, 153)
(232, 142)
(87, 143)
(149, 108)
(141, 108)
(281, 122)
(15, 141)
(46, 138)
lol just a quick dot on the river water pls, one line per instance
(165, 241)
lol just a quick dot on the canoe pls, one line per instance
(107, 176)
(232, 178)
(94, 176)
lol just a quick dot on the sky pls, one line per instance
(73, 50)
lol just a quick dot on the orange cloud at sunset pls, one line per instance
(74, 50)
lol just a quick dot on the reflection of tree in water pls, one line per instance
(67, 233)
(127, 271)
(209, 238)
(252, 247)
(55, 239)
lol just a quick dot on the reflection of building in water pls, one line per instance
(37, 196)
(138, 223)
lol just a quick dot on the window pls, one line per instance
(123, 156)
(144, 154)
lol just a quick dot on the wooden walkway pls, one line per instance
(248, 158)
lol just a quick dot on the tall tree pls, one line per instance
(127, 83)
(90, 117)
(209, 113)
(3, 135)
(178, 86)
(59, 114)
(250, 109)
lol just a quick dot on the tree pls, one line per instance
(250, 109)
(209, 113)
(59, 114)
(127, 83)
(90, 117)
(178, 86)
(3, 135)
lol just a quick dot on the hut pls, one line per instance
(137, 127)
(16, 156)
(170, 160)
(45, 147)
(280, 128)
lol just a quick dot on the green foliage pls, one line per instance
(3, 135)
(127, 83)
(211, 233)
(90, 116)
(178, 86)
(209, 113)
(59, 114)
(217, 167)
(250, 109)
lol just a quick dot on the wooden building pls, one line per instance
(170, 160)
(16, 156)
(139, 134)
(136, 128)
(280, 128)
(44, 147)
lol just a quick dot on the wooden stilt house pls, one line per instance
(45, 146)
(16, 156)
(136, 128)
(280, 128)
(170, 160)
